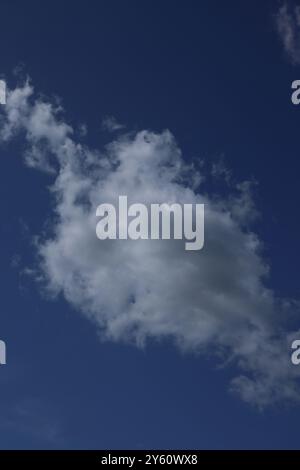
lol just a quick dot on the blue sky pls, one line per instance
(218, 77)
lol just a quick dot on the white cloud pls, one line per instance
(110, 124)
(288, 26)
(213, 301)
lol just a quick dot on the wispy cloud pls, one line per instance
(110, 124)
(213, 302)
(34, 419)
(288, 27)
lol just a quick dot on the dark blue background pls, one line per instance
(214, 73)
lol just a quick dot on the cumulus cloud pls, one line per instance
(288, 27)
(214, 301)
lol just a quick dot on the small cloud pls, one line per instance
(35, 419)
(110, 124)
(288, 27)
(15, 261)
(82, 129)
